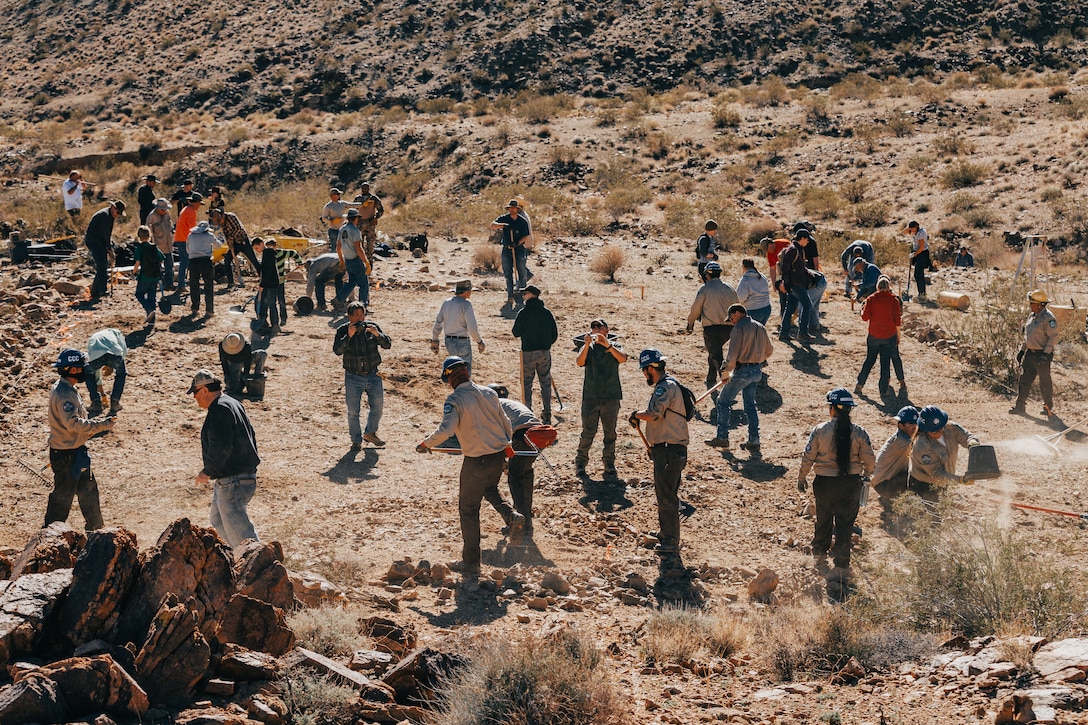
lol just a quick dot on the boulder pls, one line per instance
(314, 590)
(25, 605)
(187, 561)
(369, 660)
(260, 573)
(175, 655)
(93, 684)
(211, 716)
(1015, 709)
(388, 635)
(255, 625)
(239, 663)
(416, 677)
(5, 567)
(102, 579)
(267, 709)
(1063, 661)
(556, 582)
(69, 289)
(54, 547)
(35, 698)
(763, 585)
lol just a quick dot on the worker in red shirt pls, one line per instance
(774, 247)
(884, 313)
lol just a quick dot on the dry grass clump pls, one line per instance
(822, 202)
(314, 700)
(487, 258)
(723, 115)
(608, 261)
(677, 634)
(556, 680)
(963, 174)
(953, 144)
(332, 631)
(872, 214)
(578, 222)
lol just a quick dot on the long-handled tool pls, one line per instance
(905, 297)
(637, 425)
(35, 473)
(1041, 509)
(521, 376)
(241, 309)
(1054, 439)
(707, 394)
(558, 397)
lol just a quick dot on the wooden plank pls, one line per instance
(338, 672)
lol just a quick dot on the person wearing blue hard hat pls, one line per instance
(841, 455)
(933, 456)
(667, 437)
(70, 427)
(711, 309)
(893, 459)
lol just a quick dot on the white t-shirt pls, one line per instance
(73, 200)
(920, 240)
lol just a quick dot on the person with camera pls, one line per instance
(601, 395)
(358, 341)
(793, 281)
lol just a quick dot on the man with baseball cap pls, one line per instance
(601, 358)
(99, 239)
(741, 371)
(473, 414)
(370, 211)
(515, 234)
(186, 223)
(333, 215)
(181, 196)
(161, 226)
(536, 327)
(228, 447)
(353, 260)
(711, 309)
(69, 430)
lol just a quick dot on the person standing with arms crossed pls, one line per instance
(473, 413)
(228, 448)
(69, 430)
(357, 341)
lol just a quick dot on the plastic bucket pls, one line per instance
(303, 306)
(255, 386)
(982, 463)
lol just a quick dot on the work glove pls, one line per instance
(1048, 356)
(691, 328)
(973, 442)
(802, 485)
(633, 419)
(966, 479)
(422, 449)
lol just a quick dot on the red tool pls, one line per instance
(1059, 512)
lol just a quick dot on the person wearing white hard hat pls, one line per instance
(1036, 354)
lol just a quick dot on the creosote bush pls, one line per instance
(487, 258)
(677, 634)
(557, 680)
(608, 261)
(332, 631)
(314, 700)
(963, 174)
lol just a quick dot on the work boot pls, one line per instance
(463, 568)
(1017, 410)
(722, 443)
(115, 407)
(517, 528)
(857, 389)
(580, 470)
(752, 445)
(373, 438)
(610, 472)
(95, 410)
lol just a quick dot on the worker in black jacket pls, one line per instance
(536, 327)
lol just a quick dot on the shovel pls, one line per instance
(906, 295)
(241, 309)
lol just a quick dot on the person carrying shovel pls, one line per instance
(1036, 354)
(667, 438)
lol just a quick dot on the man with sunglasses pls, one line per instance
(228, 447)
(601, 395)
(69, 430)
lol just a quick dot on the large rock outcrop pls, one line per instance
(102, 579)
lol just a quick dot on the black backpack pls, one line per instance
(689, 399)
(150, 263)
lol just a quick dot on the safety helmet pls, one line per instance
(841, 397)
(931, 419)
(860, 261)
(650, 356)
(500, 390)
(807, 226)
(907, 414)
(712, 267)
(802, 234)
(70, 358)
(449, 364)
(1037, 295)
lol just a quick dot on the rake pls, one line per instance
(1055, 438)
(34, 473)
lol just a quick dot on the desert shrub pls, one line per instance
(562, 155)
(1073, 213)
(535, 107)
(608, 261)
(854, 191)
(822, 202)
(953, 145)
(761, 228)
(625, 200)
(579, 222)
(725, 116)
(1050, 194)
(487, 258)
(901, 125)
(990, 334)
(963, 174)
(961, 201)
(678, 634)
(858, 86)
(658, 144)
(772, 184)
(981, 218)
(973, 578)
(312, 699)
(331, 631)
(559, 679)
(817, 107)
(872, 214)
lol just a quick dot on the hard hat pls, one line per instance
(70, 358)
(450, 363)
(712, 267)
(650, 356)
(931, 419)
(907, 414)
(500, 390)
(841, 397)
(1037, 295)
(860, 260)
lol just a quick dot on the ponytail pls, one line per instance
(844, 429)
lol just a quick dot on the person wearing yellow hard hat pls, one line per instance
(1036, 354)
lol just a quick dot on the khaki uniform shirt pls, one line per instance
(712, 303)
(748, 343)
(934, 461)
(472, 413)
(894, 457)
(668, 424)
(819, 455)
(69, 426)
(1041, 331)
